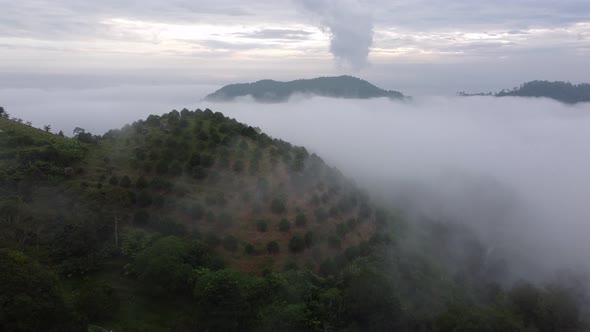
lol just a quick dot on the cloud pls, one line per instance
(276, 34)
(350, 26)
(230, 40)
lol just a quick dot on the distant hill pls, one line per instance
(562, 91)
(270, 91)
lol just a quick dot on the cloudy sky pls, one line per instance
(416, 46)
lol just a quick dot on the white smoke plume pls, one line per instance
(350, 25)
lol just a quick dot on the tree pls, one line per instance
(47, 128)
(272, 247)
(227, 300)
(97, 301)
(261, 225)
(1, 111)
(300, 220)
(284, 225)
(277, 206)
(31, 298)
(125, 182)
(114, 180)
(77, 131)
(141, 183)
(249, 249)
(297, 243)
(165, 267)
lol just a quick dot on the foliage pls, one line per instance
(300, 220)
(165, 266)
(297, 243)
(273, 247)
(31, 298)
(97, 301)
(284, 225)
(277, 206)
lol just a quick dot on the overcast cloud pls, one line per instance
(446, 46)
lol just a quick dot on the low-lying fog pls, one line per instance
(518, 169)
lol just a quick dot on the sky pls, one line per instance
(419, 47)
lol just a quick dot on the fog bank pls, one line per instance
(517, 169)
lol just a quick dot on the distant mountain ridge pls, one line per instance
(270, 91)
(565, 92)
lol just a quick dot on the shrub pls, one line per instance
(141, 183)
(175, 169)
(342, 229)
(297, 243)
(207, 160)
(162, 167)
(125, 182)
(114, 180)
(301, 220)
(277, 206)
(249, 249)
(284, 225)
(97, 301)
(261, 225)
(272, 247)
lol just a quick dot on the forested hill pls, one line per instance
(562, 91)
(274, 91)
(192, 221)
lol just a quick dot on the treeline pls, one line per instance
(565, 92)
(377, 292)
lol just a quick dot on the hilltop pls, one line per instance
(270, 91)
(561, 91)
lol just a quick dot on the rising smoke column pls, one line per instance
(350, 26)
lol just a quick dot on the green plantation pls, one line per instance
(192, 221)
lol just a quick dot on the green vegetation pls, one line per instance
(153, 228)
(270, 91)
(565, 92)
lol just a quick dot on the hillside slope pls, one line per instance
(191, 221)
(274, 91)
